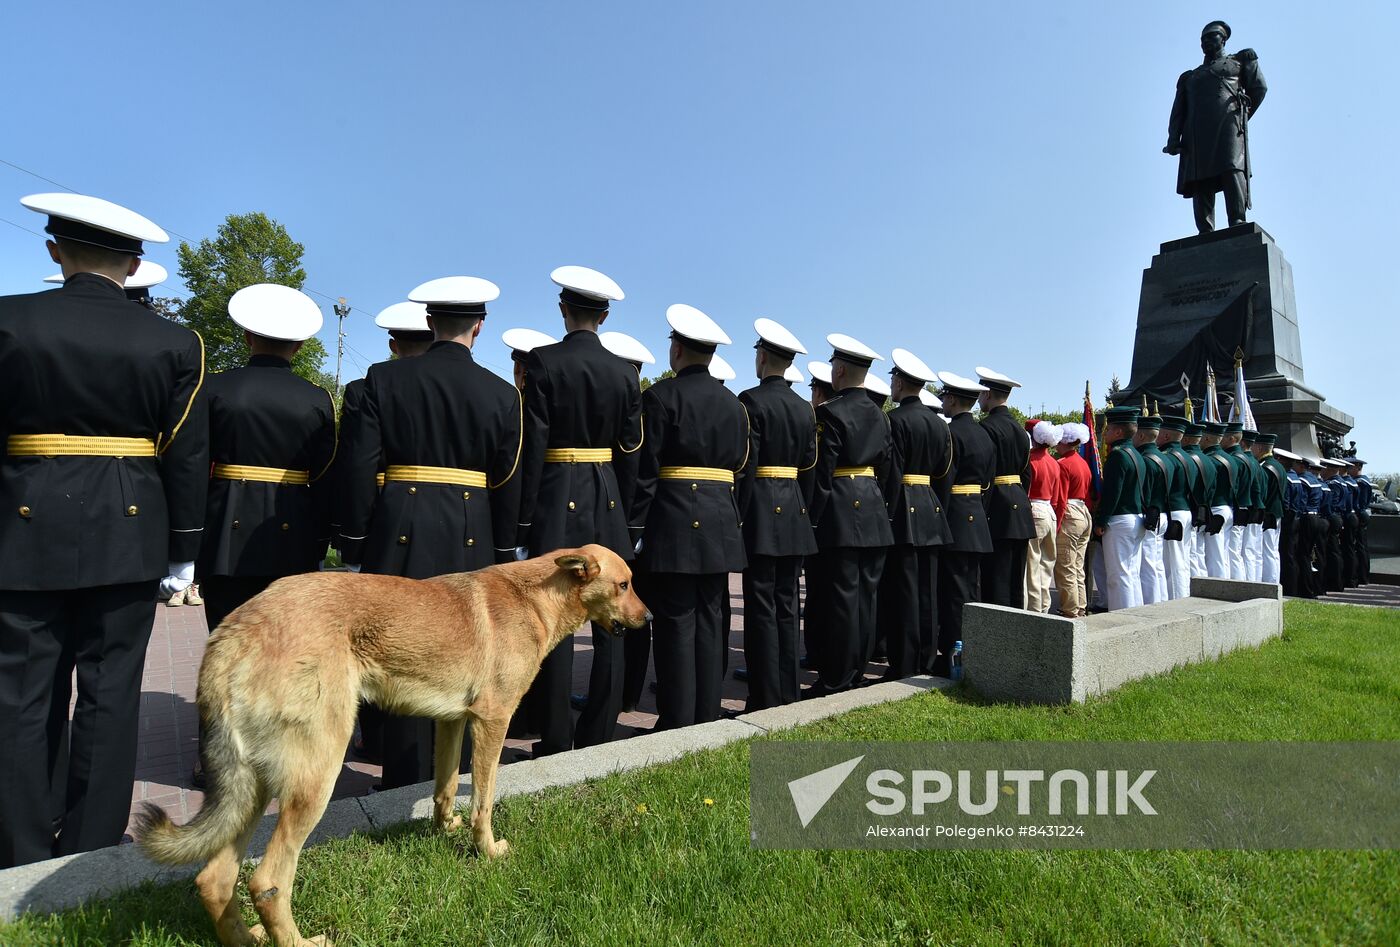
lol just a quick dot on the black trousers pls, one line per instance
(224, 593)
(770, 629)
(850, 601)
(546, 704)
(636, 649)
(1363, 550)
(958, 576)
(687, 622)
(1004, 574)
(1351, 536)
(44, 636)
(598, 722)
(909, 608)
(1203, 201)
(1336, 560)
(1311, 553)
(1288, 553)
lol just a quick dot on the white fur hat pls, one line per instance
(1073, 431)
(1047, 434)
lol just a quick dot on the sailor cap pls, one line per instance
(456, 295)
(958, 385)
(694, 327)
(776, 338)
(911, 366)
(792, 376)
(721, 369)
(147, 274)
(521, 341)
(852, 350)
(995, 380)
(403, 317)
(275, 312)
(820, 372)
(583, 288)
(626, 348)
(91, 220)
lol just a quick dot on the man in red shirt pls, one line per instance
(1075, 523)
(1047, 494)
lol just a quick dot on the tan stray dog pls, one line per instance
(283, 675)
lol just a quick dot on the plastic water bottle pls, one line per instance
(957, 661)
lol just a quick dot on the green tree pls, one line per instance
(248, 249)
(648, 382)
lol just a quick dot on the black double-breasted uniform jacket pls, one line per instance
(782, 433)
(974, 463)
(1009, 507)
(849, 511)
(690, 525)
(578, 395)
(84, 360)
(922, 446)
(440, 409)
(262, 415)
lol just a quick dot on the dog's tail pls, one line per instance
(232, 802)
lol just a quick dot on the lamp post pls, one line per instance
(342, 309)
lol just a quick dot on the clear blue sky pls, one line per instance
(982, 184)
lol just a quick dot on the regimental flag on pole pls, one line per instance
(1240, 411)
(1210, 410)
(1186, 392)
(1089, 450)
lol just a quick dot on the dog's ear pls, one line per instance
(584, 567)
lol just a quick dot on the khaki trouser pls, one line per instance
(1040, 557)
(1069, 563)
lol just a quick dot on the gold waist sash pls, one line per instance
(578, 455)
(854, 472)
(967, 489)
(917, 480)
(450, 475)
(1008, 481)
(717, 474)
(776, 473)
(76, 445)
(297, 478)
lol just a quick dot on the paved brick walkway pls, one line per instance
(168, 744)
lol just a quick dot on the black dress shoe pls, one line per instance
(578, 701)
(942, 667)
(741, 674)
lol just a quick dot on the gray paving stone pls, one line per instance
(810, 711)
(61, 883)
(1229, 590)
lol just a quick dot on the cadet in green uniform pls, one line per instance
(1118, 519)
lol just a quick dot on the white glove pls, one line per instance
(522, 553)
(638, 548)
(180, 578)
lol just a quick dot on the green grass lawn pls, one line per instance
(662, 856)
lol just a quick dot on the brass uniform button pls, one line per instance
(695, 486)
(857, 504)
(131, 510)
(24, 511)
(286, 526)
(911, 509)
(969, 517)
(412, 491)
(804, 511)
(612, 504)
(777, 509)
(695, 525)
(571, 504)
(466, 494)
(938, 509)
(1015, 506)
(471, 542)
(403, 540)
(235, 524)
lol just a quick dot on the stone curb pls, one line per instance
(61, 883)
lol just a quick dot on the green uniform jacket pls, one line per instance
(1158, 483)
(1227, 477)
(1245, 488)
(1186, 480)
(1205, 485)
(1123, 476)
(1276, 487)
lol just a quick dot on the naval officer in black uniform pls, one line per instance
(974, 466)
(686, 519)
(271, 442)
(103, 479)
(583, 427)
(1009, 507)
(777, 532)
(848, 513)
(915, 484)
(447, 434)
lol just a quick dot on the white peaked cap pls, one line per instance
(525, 340)
(995, 379)
(587, 282)
(1286, 454)
(456, 291)
(852, 349)
(777, 336)
(626, 348)
(960, 385)
(1047, 433)
(877, 384)
(693, 324)
(820, 371)
(403, 317)
(930, 399)
(275, 312)
(911, 366)
(721, 369)
(99, 214)
(791, 374)
(147, 274)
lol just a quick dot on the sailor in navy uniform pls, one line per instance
(960, 561)
(1008, 504)
(522, 342)
(686, 518)
(583, 428)
(915, 485)
(103, 479)
(636, 644)
(848, 513)
(271, 442)
(1365, 493)
(447, 434)
(138, 285)
(777, 532)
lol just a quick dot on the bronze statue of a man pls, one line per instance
(1209, 127)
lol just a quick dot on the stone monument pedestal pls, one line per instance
(1203, 298)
